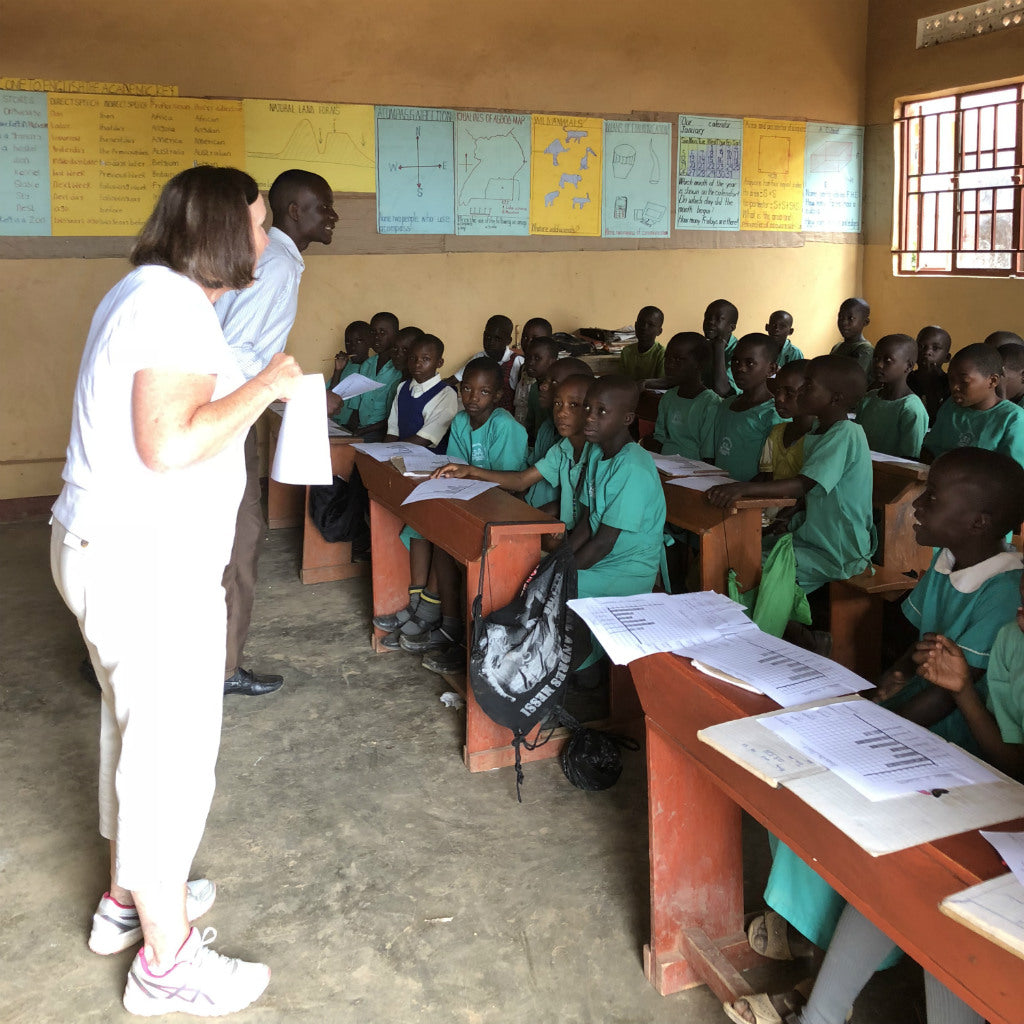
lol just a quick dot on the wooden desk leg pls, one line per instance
(284, 504)
(696, 864)
(390, 564)
(856, 627)
(324, 561)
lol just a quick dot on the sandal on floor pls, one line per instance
(768, 935)
(760, 1006)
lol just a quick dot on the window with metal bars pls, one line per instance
(960, 184)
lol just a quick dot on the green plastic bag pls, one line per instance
(777, 599)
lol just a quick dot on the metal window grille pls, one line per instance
(960, 184)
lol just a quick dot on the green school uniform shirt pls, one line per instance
(686, 426)
(625, 492)
(709, 375)
(344, 414)
(740, 436)
(534, 413)
(999, 429)
(541, 493)
(375, 406)
(969, 606)
(566, 477)
(835, 538)
(392, 390)
(789, 354)
(639, 365)
(894, 427)
(498, 444)
(1006, 682)
(862, 351)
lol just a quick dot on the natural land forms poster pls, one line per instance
(708, 173)
(492, 173)
(833, 164)
(565, 175)
(773, 175)
(637, 179)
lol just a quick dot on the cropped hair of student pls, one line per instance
(853, 316)
(720, 319)
(780, 328)
(645, 358)
(928, 380)
(893, 417)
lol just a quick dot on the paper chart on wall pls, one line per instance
(415, 171)
(637, 179)
(492, 173)
(24, 165)
(565, 175)
(708, 173)
(773, 175)
(833, 165)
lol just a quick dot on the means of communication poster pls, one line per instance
(492, 173)
(708, 173)
(833, 163)
(415, 171)
(24, 165)
(565, 175)
(773, 175)
(637, 179)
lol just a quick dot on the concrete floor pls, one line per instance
(353, 851)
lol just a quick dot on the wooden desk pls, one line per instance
(895, 488)
(695, 796)
(647, 412)
(729, 538)
(458, 528)
(284, 501)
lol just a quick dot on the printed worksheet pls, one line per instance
(303, 454)
(355, 384)
(447, 487)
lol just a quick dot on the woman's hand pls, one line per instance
(281, 375)
(453, 469)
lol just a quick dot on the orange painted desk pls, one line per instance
(729, 538)
(695, 797)
(458, 527)
(284, 501)
(647, 412)
(895, 487)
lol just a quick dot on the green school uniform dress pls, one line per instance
(534, 413)
(740, 436)
(862, 351)
(542, 492)
(999, 429)
(639, 365)
(835, 538)
(1006, 682)
(344, 414)
(566, 475)
(789, 354)
(709, 375)
(894, 427)
(392, 392)
(969, 606)
(374, 405)
(625, 492)
(686, 426)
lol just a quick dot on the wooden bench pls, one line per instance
(895, 488)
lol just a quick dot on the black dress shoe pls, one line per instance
(250, 684)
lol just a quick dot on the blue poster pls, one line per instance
(25, 164)
(833, 160)
(492, 173)
(708, 178)
(637, 179)
(415, 171)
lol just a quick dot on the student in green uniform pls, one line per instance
(780, 328)
(743, 422)
(1013, 373)
(371, 417)
(782, 456)
(893, 417)
(646, 357)
(971, 590)
(618, 541)
(853, 316)
(686, 412)
(535, 327)
(929, 381)
(541, 355)
(346, 362)
(720, 319)
(975, 416)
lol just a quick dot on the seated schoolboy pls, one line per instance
(720, 319)
(645, 358)
(780, 328)
(893, 417)
(400, 360)
(498, 346)
(542, 355)
(618, 540)
(484, 435)
(743, 422)
(424, 405)
(384, 328)
(853, 316)
(535, 327)
(686, 413)
(346, 362)
(929, 381)
(975, 416)
(371, 416)
(1013, 373)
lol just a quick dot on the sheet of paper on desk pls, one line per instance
(994, 908)
(303, 454)
(780, 670)
(1009, 846)
(333, 430)
(877, 752)
(382, 451)
(424, 461)
(355, 384)
(633, 627)
(700, 483)
(447, 487)
(679, 465)
(910, 463)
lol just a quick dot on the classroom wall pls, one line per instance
(787, 58)
(968, 307)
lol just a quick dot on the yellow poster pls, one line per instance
(95, 88)
(188, 132)
(334, 140)
(772, 188)
(565, 175)
(100, 172)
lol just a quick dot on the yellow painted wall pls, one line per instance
(968, 307)
(580, 55)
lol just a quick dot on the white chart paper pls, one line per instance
(355, 384)
(448, 487)
(303, 454)
(1009, 846)
(384, 450)
(679, 465)
(700, 483)
(424, 461)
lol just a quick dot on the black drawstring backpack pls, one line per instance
(338, 509)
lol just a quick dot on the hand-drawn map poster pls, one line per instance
(637, 179)
(708, 173)
(565, 175)
(24, 164)
(492, 173)
(415, 171)
(773, 175)
(334, 140)
(833, 162)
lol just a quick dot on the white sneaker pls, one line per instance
(115, 927)
(201, 982)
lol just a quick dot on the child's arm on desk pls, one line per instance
(520, 481)
(725, 495)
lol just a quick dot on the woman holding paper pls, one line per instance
(141, 533)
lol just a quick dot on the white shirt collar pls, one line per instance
(970, 579)
(416, 389)
(284, 242)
